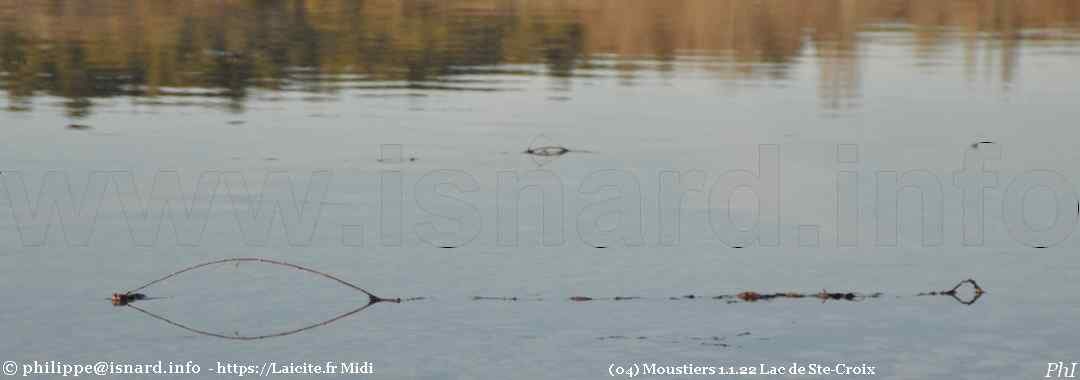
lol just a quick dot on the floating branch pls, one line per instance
(129, 298)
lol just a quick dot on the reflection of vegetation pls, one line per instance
(87, 49)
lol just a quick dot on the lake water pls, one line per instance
(359, 138)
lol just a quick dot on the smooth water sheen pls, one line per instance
(847, 93)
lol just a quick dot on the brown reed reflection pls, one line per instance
(218, 51)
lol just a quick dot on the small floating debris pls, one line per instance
(482, 298)
(612, 337)
(825, 295)
(547, 151)
(121, 299)
(543, 150)
(713, 341)
(552, 151)
(617, 298)
(749, 296)
(389, 161)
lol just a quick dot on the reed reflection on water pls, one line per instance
(216, 52)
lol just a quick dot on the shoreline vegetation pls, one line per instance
(85, 50)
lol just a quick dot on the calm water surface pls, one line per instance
(847, 93)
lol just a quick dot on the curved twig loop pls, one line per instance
(126, 298)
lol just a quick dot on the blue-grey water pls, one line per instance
(358, 138)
